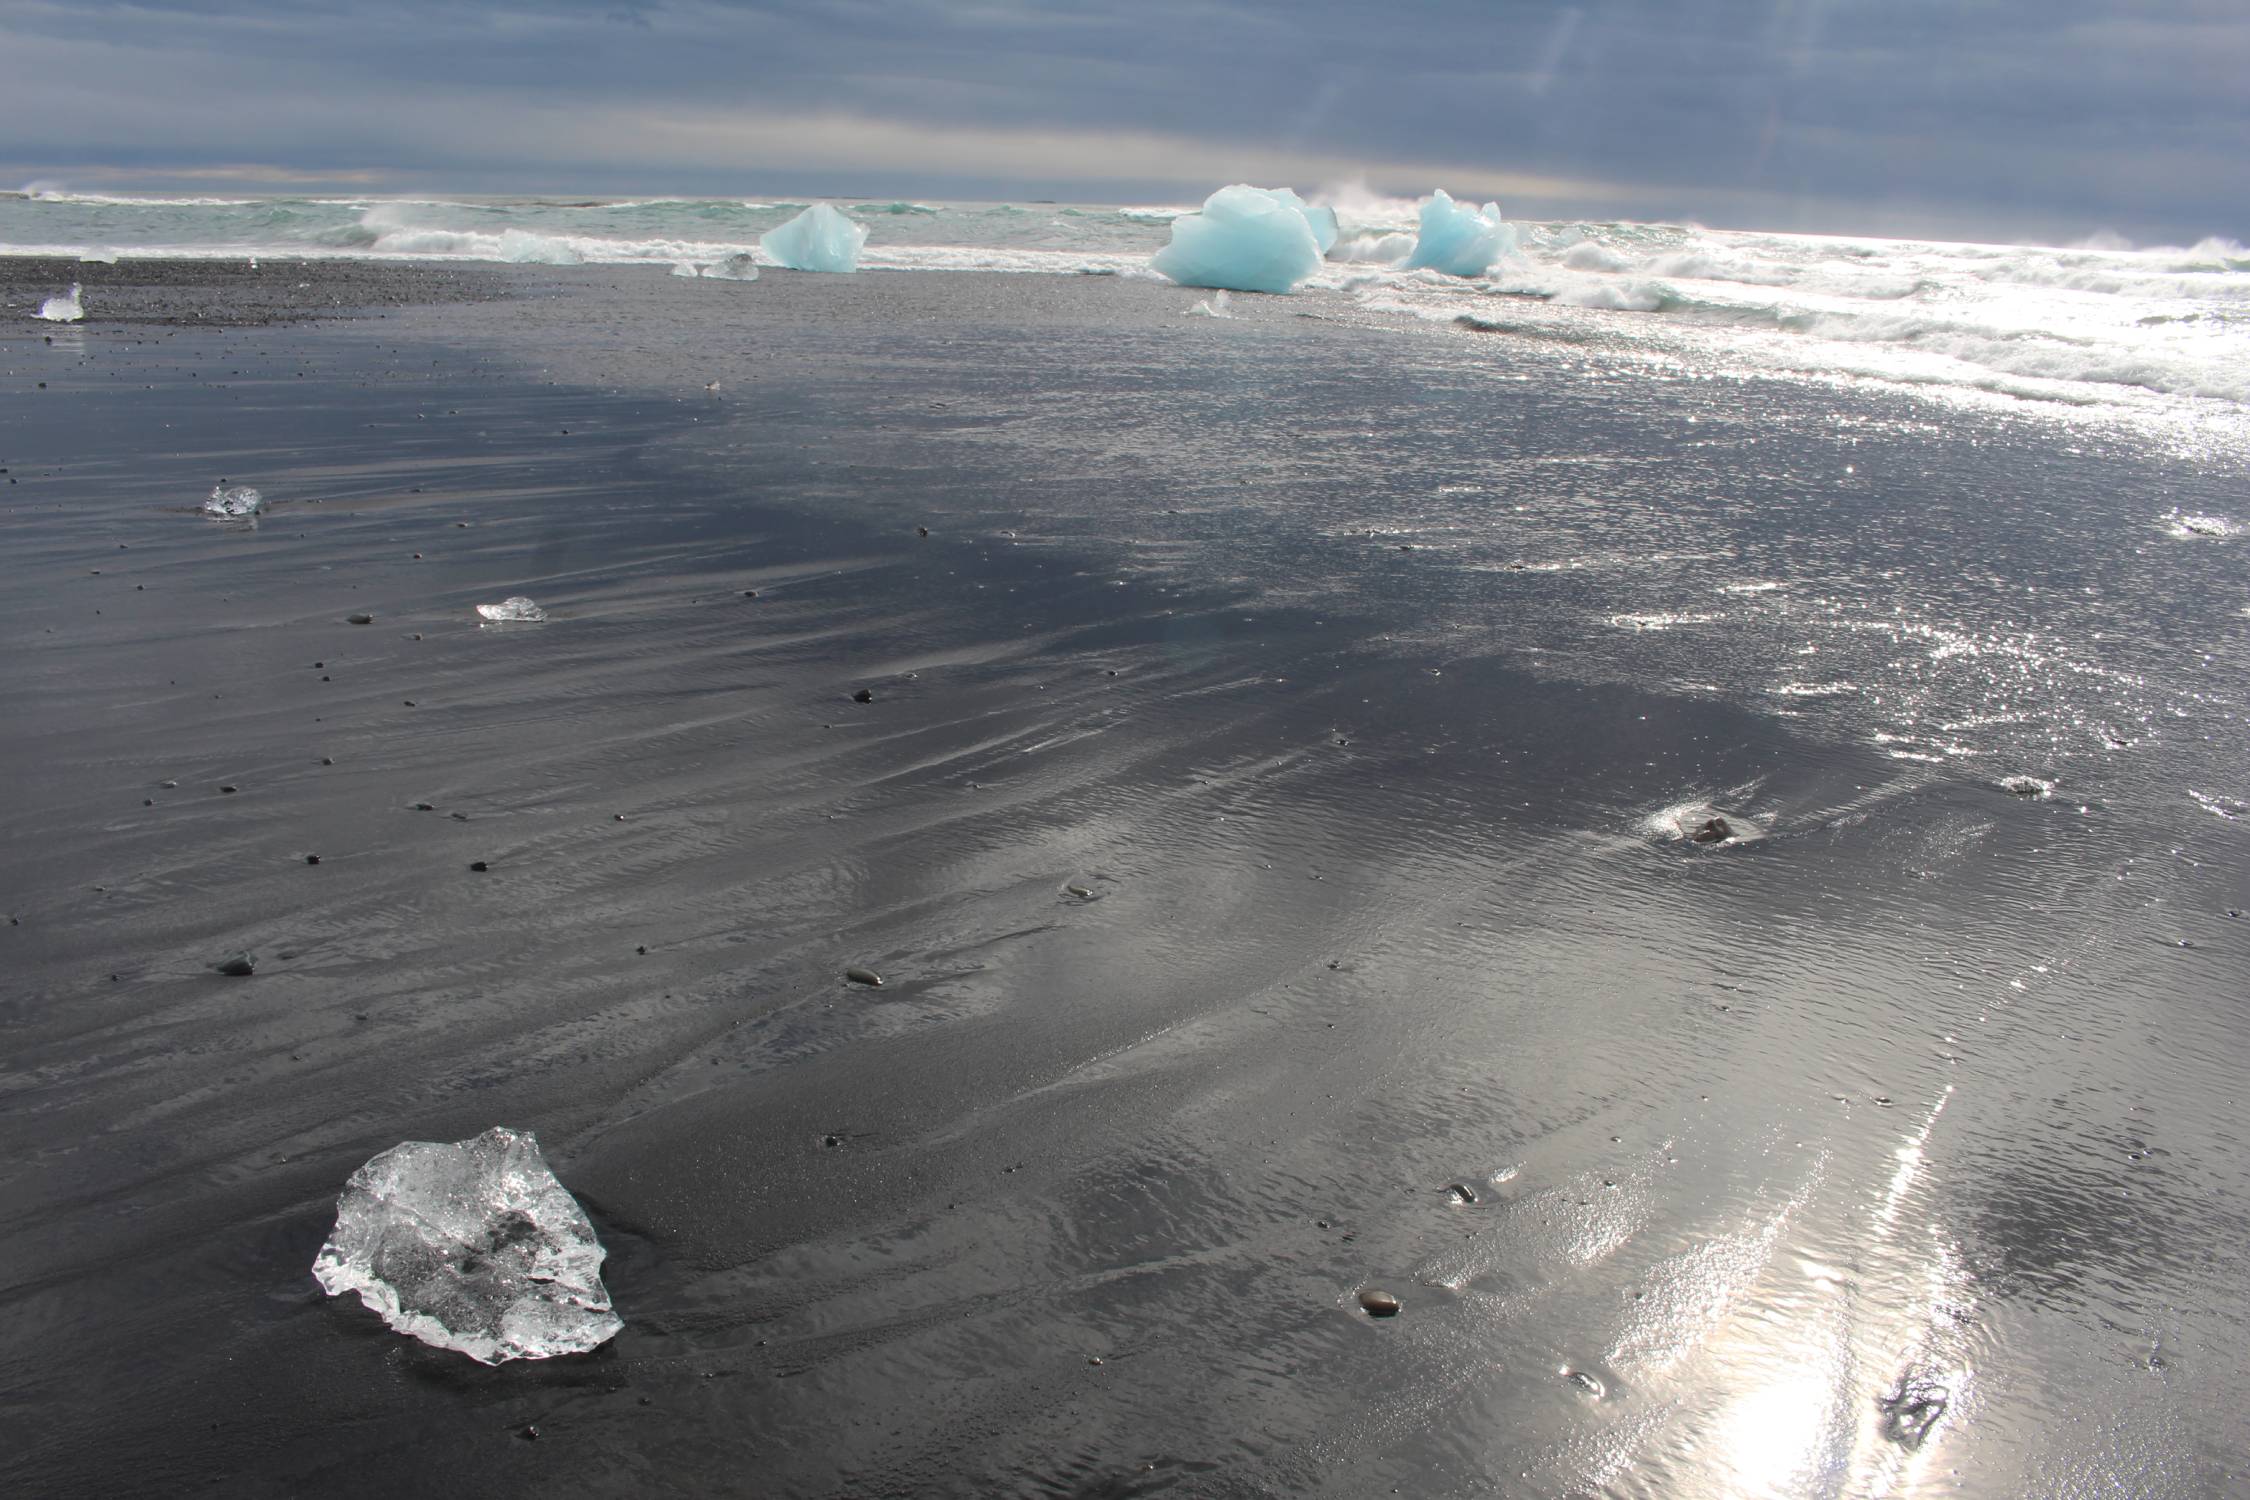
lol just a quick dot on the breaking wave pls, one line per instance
(2098, 323)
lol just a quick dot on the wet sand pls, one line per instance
(1873, 1151)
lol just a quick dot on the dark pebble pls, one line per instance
(359, 619)
(1715, 830)
(1379, 1304)
(864, 695)
(230, 789)
(1461, 1192)
(327, 761)
(240, 966)
(749, 593)
(529, 1432)
(642, 950)
(478, 865)
(921, 531)
(312, 859)
(424, 807)
(864, 976)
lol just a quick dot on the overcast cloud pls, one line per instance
(2006, 118)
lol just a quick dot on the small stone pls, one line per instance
(749, 593)
(1461, 1192)
(167, 785)
(1379, 1304)
(359, 619)
(864, 976)
(925, 531)
(240, 966)
(480, 866)
(1590, 1384)
(1713, 831)
(1083, 893)
(312, 859)
(864, 695)
(642, 950)
(230, 789)
(327, 760)
(529, 1432)
(424, 807)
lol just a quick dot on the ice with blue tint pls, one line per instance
(1244, 239)
(819, 239)
(1321, 220)
(1459, 239)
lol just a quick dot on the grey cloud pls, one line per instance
(2017, 113)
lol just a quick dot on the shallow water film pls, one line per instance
(1457, 911)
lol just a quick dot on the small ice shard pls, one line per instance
(1213, 306)
(62, 309)
(736, 267)
(1244, 239)
(233, 501)
(685, 268)
(514, 607)
(472, 1246)
(1458, 239)
(819, 239)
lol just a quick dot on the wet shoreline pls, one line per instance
(1367, 908)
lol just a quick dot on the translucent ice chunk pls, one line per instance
(1213, 306)
(233, 501)
(514, 607)
(1458, 239)
(819, 239)
(736, 267)
(1245, 239)
(685, 268)
(62, 309)
(472, 1246)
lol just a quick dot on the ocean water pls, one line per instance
(1273, 820)
(2158, 331)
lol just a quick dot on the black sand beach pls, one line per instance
(1365, 682)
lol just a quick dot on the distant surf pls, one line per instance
(2153, 333)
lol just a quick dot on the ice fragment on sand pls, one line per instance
(472, 1246)
(233, 500)
(736, 267)
(62, 309)
(514, 607)
(1458, 239)
(1213, 306)
(685, 268)
(1245, 239)
(819, 239)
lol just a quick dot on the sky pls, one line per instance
(1979, 119)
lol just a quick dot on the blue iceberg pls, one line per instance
(1458, 239)
(819, 239)
(1246, 239)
